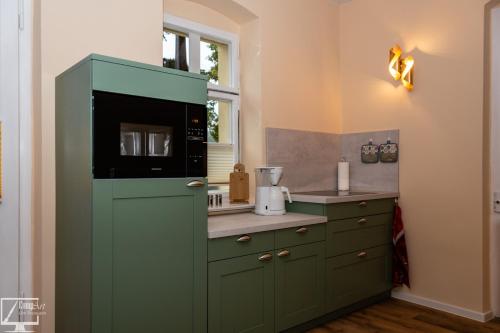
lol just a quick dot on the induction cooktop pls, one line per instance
(333, 193)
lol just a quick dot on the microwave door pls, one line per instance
(138, 137)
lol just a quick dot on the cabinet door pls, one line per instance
(149, 256)
(300, 283)
(356, 276)
(241, 294)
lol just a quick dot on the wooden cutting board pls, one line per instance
(238, 184)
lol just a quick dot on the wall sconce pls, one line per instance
(407, 72)
(401, 69)
(394, 62)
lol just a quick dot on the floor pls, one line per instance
(394, 316)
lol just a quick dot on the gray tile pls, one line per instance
(310, 159)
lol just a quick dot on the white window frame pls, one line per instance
(195, 31)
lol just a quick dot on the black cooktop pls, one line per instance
(333, 193)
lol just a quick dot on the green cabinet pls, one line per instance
(356, 276)
(148, 268)
(358, 250)
(241, 294)
(131, 254)
(349, 235)
(300, 284)
(240, 245)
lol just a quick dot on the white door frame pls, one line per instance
(25, 147)
(23, 58)
(492, 133)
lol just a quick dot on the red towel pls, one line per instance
(400, 268)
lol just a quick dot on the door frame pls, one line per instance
(26, 147)
(25, 143)
(493, 269)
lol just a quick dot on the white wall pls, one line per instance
(495, 154)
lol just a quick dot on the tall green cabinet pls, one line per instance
(130, 253)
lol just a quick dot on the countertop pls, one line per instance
(328, 197)
(245, 223)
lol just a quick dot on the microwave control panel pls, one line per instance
(196, 127)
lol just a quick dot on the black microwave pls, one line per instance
(142, 137)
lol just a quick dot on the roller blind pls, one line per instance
(220, 162)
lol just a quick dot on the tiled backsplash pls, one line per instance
(310, 159)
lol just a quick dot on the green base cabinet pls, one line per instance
(241, 294)
(300, 284)
(356, 276)
(358, 264)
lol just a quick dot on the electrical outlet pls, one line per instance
(496, 202)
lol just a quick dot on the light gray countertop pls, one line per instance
(328, 197)
(245, 223)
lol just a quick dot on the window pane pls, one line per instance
(220, 163)
(175, 50)
(219, 121)
(214, 61)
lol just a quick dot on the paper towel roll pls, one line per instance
(343, 176)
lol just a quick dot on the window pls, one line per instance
(193, 47)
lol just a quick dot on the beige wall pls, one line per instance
(289, 65)
(441, 131)
(69, 31)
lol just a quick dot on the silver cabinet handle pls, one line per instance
(283, 253)
(266, 257)
(195, 183)
(362, 221)
(244, 238)
(301, 230)
(363, 204)
(362, 254)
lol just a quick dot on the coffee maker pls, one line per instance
(269, 198)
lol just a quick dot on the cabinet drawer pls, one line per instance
(349, 235)
(236, 246)
(300, 235)
(359, 208)
(356, 276)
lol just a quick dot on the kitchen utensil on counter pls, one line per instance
(343, 175)
(269, 198)
(238, 184)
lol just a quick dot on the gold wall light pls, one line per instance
(394, 62)
(407, 72)
(401, 69)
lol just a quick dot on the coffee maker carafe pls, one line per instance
(269, 198)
